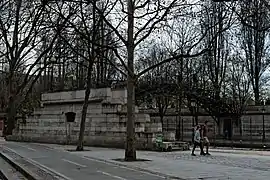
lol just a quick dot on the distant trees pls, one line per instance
(255, 20)
(217, 18)
(135, 25)
(213, 52)
(219, 80)
(23, 25)
(87, 38)
(159, 85)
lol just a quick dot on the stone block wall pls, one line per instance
(105, 121)
(252, 124)
(1, 127)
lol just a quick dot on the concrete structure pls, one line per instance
(252, 124)
(53, 122)
(1, 127)
(58, 120)
(2, 122)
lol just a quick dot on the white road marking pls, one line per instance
(123, 167)
(44, 146)
(38, 164)
(39, 157)
(113, 176)
(49, 169)
(77, 164)
(26, 147)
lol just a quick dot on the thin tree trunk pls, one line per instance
(11, 116)
(84, 109)
(240, 126)
(130, 152)
(257, 92)
(161, 121)
(11, 110)
(88, 85)
(63, 75)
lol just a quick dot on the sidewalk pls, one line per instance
(240, 151)
(212, 149)
(223, 164)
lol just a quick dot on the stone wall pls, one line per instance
(1, 127)
(252, 124)
(105, 122)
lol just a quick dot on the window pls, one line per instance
(70, 116)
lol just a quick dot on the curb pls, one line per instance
(15, 165)
(135, 168)
(246, 152)
(2, 175)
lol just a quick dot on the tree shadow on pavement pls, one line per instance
(137, 160)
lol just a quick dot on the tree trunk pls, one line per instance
(130, 152)
(84, 109)
(218, 125)
(196, 118)
(161, 121)
(257, 93)
(88, 83)
(11, 116)
(11, 109)
(240, 126)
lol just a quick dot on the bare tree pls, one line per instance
(87, 29)
(91, 53)
(238, 91)
(87, 53)
(217, 58)
(254, 41)
(22, 26)
(159, 83)
(142, 18)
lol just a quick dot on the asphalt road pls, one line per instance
(73, 167)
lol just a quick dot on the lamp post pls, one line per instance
(263, 134)
(193, 104)
(177, 121)
(178, 107)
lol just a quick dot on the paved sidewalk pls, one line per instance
(235, 164)
(240, 151)
(225, 150)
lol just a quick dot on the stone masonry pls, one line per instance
(105, 122)
(252, 124)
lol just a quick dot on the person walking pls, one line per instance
(205, 137)
(197, 141)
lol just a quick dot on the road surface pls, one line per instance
(73, 167)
